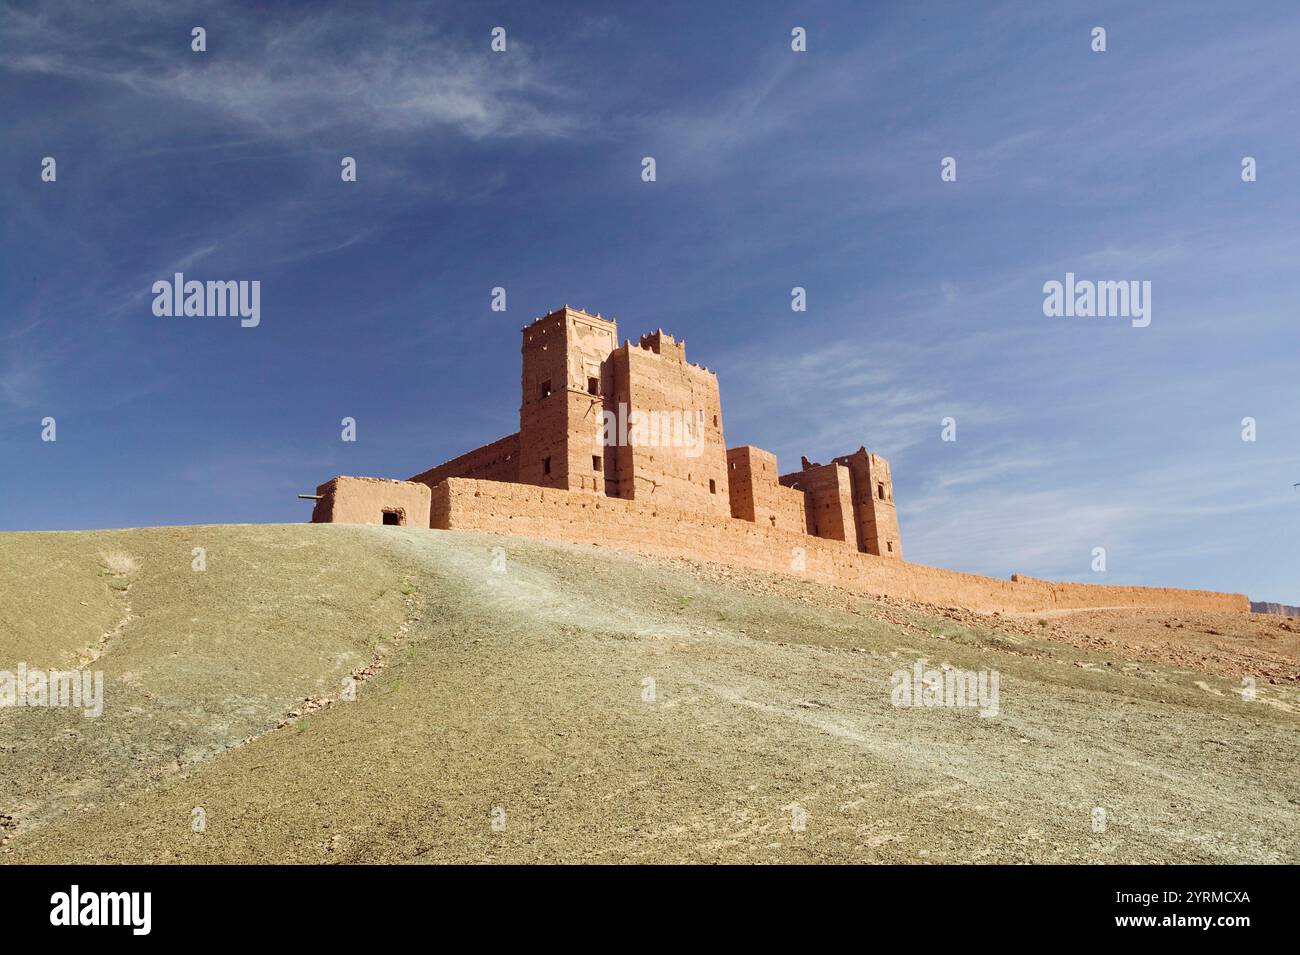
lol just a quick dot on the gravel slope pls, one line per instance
(506, 682)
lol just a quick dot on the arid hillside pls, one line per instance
(518, 701)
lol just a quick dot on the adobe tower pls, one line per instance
(872, 490)
(565, 378)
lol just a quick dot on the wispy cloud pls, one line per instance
(1024, 516)
(832, 398)
(288, 77)
(21, 380)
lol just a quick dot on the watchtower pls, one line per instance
(565, 380)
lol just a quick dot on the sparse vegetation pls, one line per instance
(119, 562)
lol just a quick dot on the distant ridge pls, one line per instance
(1260, 606)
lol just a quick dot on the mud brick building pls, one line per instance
(582, 398)
(622, 446)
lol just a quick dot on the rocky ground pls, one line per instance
(362, 694)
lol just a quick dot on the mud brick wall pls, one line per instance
(590, 339)
(498, 461)
(830, 503)
(874, 511)
(756, 495)
(363, 500)
(742, 488)
(791, 508)
(643, 527)
(655, 377)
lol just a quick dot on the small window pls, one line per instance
(715, 421)
(593, 386)
(393, 518)
(713, 486)
(595, 462)
(546, 465)
(545, 389)
(880, 491)
(733, 465)
(890, 546)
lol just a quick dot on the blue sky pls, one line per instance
(775, 169)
